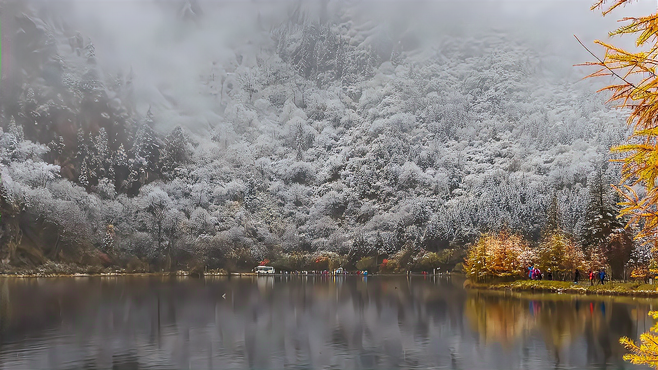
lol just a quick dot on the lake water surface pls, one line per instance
(309, 322)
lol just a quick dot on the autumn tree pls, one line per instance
(647, 352)
(561, 254)
(636, 89)
(497, 255)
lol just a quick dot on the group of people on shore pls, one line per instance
(594, 275)
(535, 273)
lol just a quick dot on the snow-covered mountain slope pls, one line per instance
(321, 133)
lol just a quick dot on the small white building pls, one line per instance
(264, 270)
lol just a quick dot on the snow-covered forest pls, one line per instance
(325, 135)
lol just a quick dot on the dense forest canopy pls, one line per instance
(319, 128)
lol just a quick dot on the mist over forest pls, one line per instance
(154, 135)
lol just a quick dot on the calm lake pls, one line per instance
(305, 323)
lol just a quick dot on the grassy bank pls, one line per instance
(636, 289)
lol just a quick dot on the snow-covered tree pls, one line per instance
(156, 203)
(601, 218)
(176, 151)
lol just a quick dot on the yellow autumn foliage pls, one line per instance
(561, 254)
(497, 255)
(636, 89)
(646, 353)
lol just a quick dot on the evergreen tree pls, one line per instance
(120, 158)
(149, 121)
(83, 178)
(601, 215)
(56, 147)
(119, 170)
(552, 224)
(340, 59)
(396, 54)
(299, 140)
(117, 84)
(132, 182)
(16, 130)
(145, 155)
(91, 82)
(83, 147)
(100, 158)
(111, 173)
(108, 239)
(146, 148)
(175, 152)
(90, 53)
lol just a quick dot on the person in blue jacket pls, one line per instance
(602, 276)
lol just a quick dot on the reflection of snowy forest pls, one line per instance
(328, 138)
(269, 323)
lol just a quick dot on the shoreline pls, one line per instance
(183, 273)
(104, 274)
(614, 288)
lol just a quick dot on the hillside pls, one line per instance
(325, 136)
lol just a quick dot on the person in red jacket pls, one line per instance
(591, 278)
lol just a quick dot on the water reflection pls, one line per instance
(574, 331)
(303, 322)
